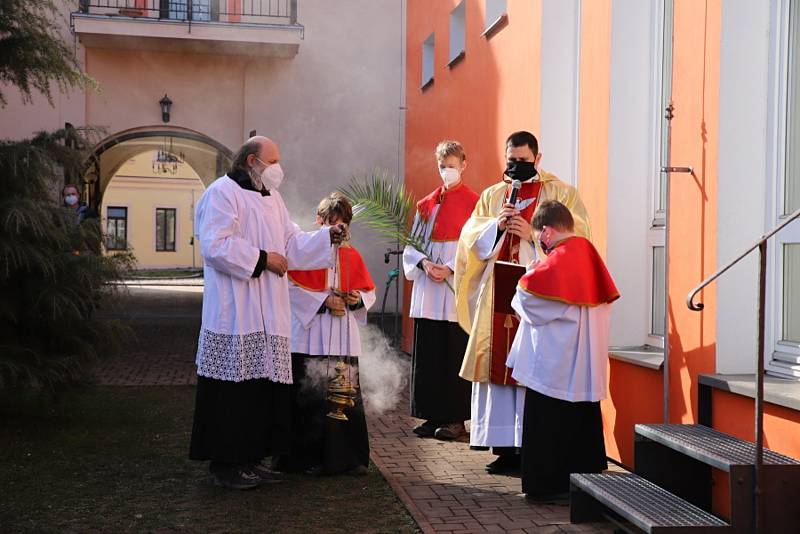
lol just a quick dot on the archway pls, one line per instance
(208, 157)
(158, 173)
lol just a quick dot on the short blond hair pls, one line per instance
(450, 148)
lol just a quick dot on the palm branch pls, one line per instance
(382, 203)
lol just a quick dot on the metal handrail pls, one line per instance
(761, 245)
(699, 306)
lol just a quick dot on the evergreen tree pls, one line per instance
(32, 52)
(52, 272)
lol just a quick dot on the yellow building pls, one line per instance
(151, 213)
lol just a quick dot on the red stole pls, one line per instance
(504, 326)
(455, 207)
(573, 273)
(353, 274)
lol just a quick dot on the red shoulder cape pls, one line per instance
(456, 206)
(573, 273)
(352, 272)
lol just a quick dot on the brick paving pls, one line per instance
(443, 484)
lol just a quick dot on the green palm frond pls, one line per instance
(382, 203)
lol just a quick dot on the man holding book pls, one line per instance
(499, 231)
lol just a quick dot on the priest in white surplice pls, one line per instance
(244, 363)
(560, 355)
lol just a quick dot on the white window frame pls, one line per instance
(656, 233)
(458, 33)
(496, 11)
(428, 60)
(782, 357)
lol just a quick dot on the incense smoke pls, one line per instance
(384, 372)
(381, 370)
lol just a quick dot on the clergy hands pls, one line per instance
(339, 233)
(506, 214)
(276, 263)
(520, 227)
(436, 271)
(351, 297)
(335, 304)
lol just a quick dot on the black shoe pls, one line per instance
(357, 471)
(236, 478)
(426, 429)
(507, 464)
(450, 432)
(548, 498)
(265, 473)
(315, 470)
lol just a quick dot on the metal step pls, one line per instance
(639, 502)
(710, 446)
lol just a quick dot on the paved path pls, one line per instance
(443, 484)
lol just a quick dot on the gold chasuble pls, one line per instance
(487, 349)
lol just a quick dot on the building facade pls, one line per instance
(323, 79)
(151, 213)
(677, 121)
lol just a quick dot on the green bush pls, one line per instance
(53, 275)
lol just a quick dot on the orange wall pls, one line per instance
(493, 91)
(595, 74)
(635, 396)
(692, 225)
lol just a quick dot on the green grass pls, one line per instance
(167, 273)
(115, 459)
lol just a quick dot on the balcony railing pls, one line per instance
(224, 11)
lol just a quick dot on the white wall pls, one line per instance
(560, 64)
(632, 162)
(334, 108)
(745, 174)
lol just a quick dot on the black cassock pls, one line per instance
(437, 392)
(318, 440)
(558, 438)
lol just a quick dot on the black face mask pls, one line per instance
(520, 170)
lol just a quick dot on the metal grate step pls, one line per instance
(644, 504)
(710, 446)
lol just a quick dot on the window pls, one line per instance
(201, 10)
(785, 249)
(656, 235)
(427, 61)
(495, 15)
(457, 33)
(658, 292)
(116, 228)
(165, 229)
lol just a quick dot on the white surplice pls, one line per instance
(561, 350)
(247, 321)
(497, 410)
(429, 299)
(322, 334)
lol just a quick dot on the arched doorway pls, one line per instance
(206, 156)
(144, 183)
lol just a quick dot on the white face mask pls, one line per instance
(271, 176)
(71, 199)
(449, 175)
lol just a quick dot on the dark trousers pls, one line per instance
(240, 422)
(438, 394)
(318, 440)
(558, 438)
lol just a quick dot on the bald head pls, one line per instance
(254, 149)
